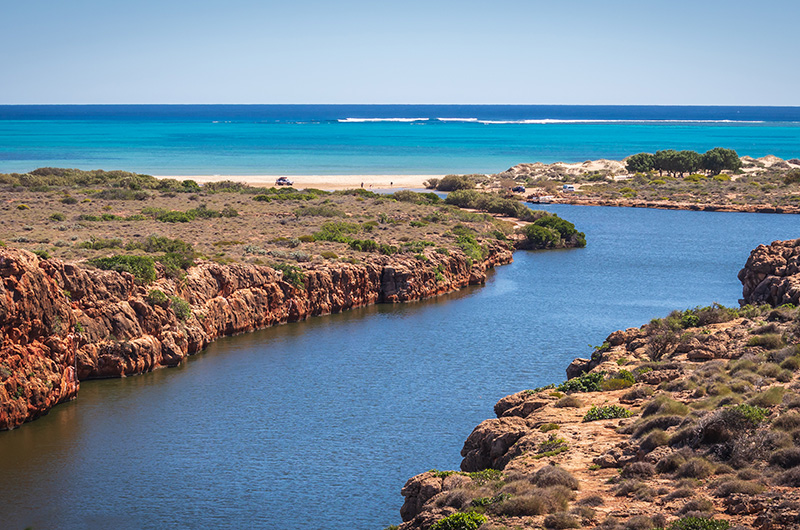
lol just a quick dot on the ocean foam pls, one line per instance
(362, 120)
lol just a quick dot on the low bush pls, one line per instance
(99, 243)
(561, 520)
(768, 398)
(786, 458)
(460, 521)
(551, 475)
(180, 307)
(569, 402)
(699, 523)
(664, 404)
(748, 487)
(141, 267)
(638, 470)
(770, 341)
(454, 182)
(607, 412)
(589, 382)
(157, 297)
(530, 500)
(656, 438)
(697, 467)
(291, 274)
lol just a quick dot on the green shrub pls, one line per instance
(460, 521)
(43, 254)
(58, 217)
(455, 182)
(154, 243)
(768, 398)
(99, 243)
(608, 412)
(323, 210)
(141, 267)
(175, 216)
(541, 237)
(589, 382)
(770, 341)
(291, 273)
(157, 297)
(336, 231)
(180, 307)
(23, 207)
(699, 523)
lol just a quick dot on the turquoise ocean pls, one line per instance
(372, 139)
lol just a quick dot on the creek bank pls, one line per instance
(669, 205)
(692, 415)
(61, 323)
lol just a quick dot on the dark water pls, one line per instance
(372, 139)
(317, 425)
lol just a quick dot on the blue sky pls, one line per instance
(507, 51)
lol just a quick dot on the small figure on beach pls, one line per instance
(362, 184)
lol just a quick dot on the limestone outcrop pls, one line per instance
(61, 323)
(772, 274)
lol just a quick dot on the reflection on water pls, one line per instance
(318, 424)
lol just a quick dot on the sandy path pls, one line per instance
(324, 182)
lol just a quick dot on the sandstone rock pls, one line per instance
(489, 442)
(64, 323)
(772, 274)
(417, 491)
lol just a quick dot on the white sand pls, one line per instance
(323, 182)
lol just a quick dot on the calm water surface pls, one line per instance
(317, 425)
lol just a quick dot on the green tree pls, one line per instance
(640, 163)
(718, 159)
(687, 162)
(665, 160)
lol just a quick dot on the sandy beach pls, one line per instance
(323, 182)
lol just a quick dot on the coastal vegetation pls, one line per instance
(717, 180)
(102, 216)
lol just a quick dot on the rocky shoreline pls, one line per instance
(691, 421)
(61, 323)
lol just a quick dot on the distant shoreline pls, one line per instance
(323, 182)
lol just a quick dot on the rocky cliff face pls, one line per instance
(60, 323)
(772, 274)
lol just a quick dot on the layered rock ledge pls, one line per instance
(691, 421)
(61, 323)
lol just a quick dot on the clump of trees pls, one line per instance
(713, 161)
(551, 231)
(454, 182)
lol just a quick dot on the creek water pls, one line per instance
(318, 424)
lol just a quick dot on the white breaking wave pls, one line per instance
(541, 121)
(467, 120)
(362, 120)
(553, 121)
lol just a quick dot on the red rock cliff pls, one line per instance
(60, 323)
(772, 274)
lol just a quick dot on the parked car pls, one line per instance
(518, 189)
(568, 187)
(283, 181)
